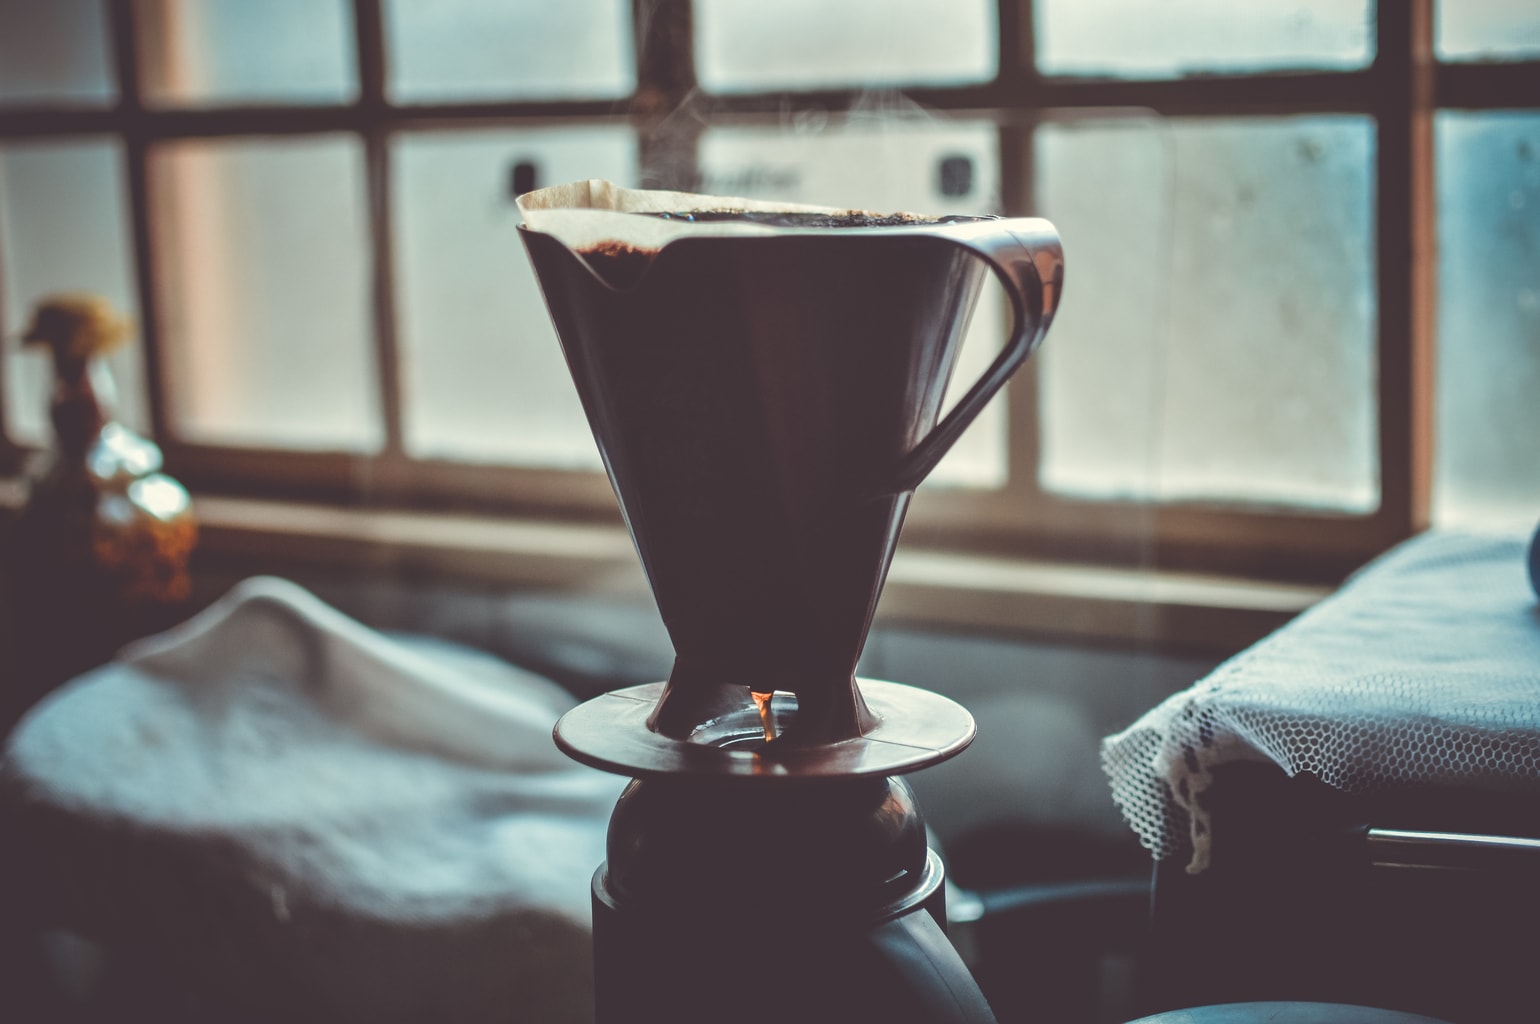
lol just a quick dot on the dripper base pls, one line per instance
(914, 729)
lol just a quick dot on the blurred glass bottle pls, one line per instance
(99, 553)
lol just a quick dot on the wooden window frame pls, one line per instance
(1400, 90)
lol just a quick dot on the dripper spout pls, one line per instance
(824, 711)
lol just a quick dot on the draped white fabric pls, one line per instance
(383, 824)
(1424, 668)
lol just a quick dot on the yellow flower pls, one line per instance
(77, 325)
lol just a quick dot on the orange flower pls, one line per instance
(77, 324)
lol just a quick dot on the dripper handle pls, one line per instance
(1027, 257)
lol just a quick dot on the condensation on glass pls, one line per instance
(55, 52)
(895, 159)
(1216, 341)
(482, 371)
(507, 49)
(1467, 30)
(221, 52)
(1487, 408)
(1139, 39)
(262, 249)
(804, 44)
(63, 228)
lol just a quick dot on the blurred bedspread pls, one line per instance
(1423, 669)
(275, 813)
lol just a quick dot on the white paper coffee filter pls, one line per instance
(585, 214)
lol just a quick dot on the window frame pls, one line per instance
(1399, 91)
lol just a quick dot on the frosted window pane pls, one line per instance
(1216, 341)
(887, 166)
(63, 227)
(1486, 29)
(1487, 460)
(1106, 188)
(266, 317)
(803, 44)
(504, 49)
(54, 51)
(484, 375)
(207, 52)
(1139, 39)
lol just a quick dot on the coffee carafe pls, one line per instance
(765, 386)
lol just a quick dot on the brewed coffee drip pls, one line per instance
(766, 713)
(828, 708)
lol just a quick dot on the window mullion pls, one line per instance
(1023, 432)
(1488, 85)
(10, 454)
(664, 36)
(373, 115)
(135, 127)
(1018, 48)
(1407, 263)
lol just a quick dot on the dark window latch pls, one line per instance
(955, 176)
(522, 178)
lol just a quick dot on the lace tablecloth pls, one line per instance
(1423, 668)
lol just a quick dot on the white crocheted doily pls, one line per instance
(1423, 668)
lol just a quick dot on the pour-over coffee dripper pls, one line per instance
(764, 385)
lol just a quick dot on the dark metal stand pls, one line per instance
(748, 883)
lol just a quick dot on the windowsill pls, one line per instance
(1190, 612)
(1129, 608)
